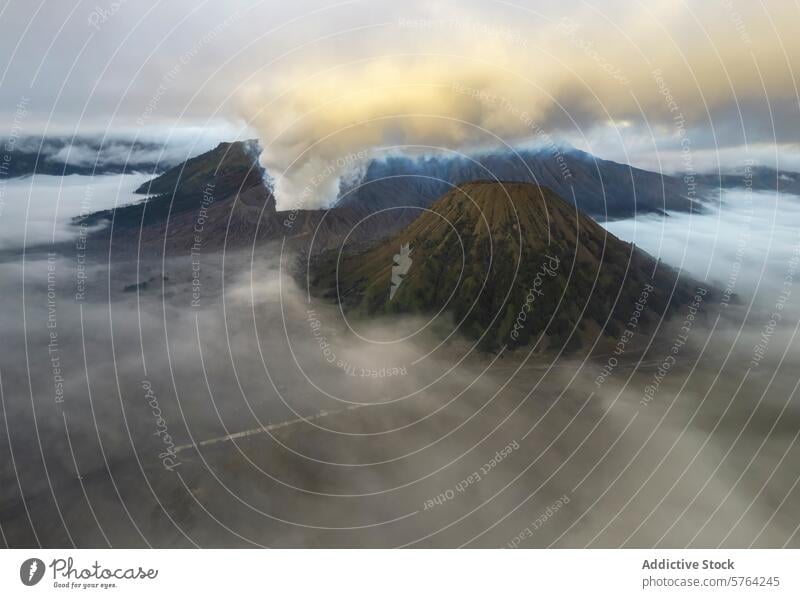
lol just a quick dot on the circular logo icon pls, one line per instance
(31, 571)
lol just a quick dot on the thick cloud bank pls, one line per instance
(649, 82)
(321, 82)
(39, 210)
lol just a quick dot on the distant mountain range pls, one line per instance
(759, 178)
(511, 262)
(62, 156)
(602, 188)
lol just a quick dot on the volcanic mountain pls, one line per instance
(221, 199)
(512, 263)
(225, 187)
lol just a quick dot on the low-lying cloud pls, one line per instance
(39, 211)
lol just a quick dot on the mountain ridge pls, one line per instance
(602, 188)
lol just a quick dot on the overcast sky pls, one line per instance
(666, 83)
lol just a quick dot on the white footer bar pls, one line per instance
(375, 573)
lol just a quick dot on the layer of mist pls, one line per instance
(39, 210)
(205, 400)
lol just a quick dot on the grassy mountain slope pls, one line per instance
(509, 262)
